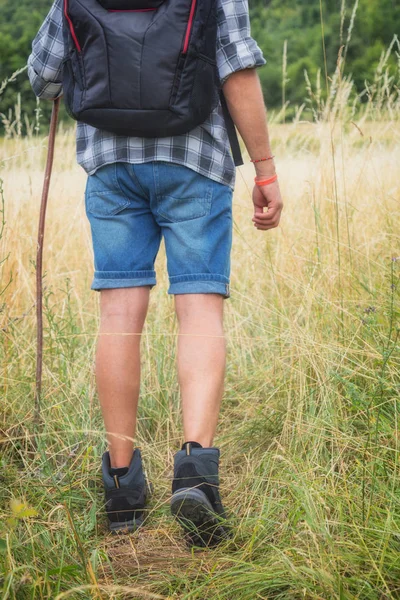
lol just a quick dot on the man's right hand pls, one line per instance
(270, 197)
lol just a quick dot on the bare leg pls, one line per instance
(123, 310)
(201, 363)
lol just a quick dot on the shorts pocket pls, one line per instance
(183, 209)
(103, 195)
(182, 193)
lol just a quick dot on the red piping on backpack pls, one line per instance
(189, 26)
(71, 27)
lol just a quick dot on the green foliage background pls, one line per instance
(296, 21)
(299, 22)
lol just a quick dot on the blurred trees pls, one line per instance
(299, 22)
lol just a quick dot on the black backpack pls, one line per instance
(143, 68)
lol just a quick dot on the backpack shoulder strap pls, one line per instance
(232, 133)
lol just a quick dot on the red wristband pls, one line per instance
(261, 182)
(261, 159)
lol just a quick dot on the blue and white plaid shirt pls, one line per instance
(206, 148)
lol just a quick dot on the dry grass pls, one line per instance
(308, 429)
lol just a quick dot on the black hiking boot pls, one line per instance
(195, 499)
(126, 491)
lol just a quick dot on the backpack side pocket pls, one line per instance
(73, 82)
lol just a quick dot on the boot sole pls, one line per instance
(195, 513)
(126, 526)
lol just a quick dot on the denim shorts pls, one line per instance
(130, 206)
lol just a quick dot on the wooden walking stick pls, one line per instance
(39, 281)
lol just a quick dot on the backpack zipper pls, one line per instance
(189, 27)
(131, 10)
(71, 27)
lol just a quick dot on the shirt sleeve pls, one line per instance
(47, 56)
(236, 49)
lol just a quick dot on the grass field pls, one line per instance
(309, 427)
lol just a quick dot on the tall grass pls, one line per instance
(309, 431)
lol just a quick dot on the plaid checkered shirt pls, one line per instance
(205, 149)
